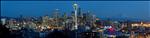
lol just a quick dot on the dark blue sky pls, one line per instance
(130, 9)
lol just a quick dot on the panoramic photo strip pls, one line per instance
(75, 19)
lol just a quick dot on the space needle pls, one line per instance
(75, 6)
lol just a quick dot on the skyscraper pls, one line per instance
(45, 20)
(75, 6)
(3, 20)
(56, 17)
(79, 12)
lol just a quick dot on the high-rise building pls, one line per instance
(64, 19)
(45, 20)
(3, 20)
(56, 17)
(79, 12)
(75, 6)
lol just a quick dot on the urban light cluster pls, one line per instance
(78, 21)
(143, 24)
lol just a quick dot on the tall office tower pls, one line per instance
(80, 17)
(84, 18)
(93, 20)
(89, 20)
(3, 21)
(72, 20)
(65, 16)
(56, 13)
(75, 6)
(45, 20)
(89, 16)
(79, 12)
(56, 17)
(64, 19)
(72, 15)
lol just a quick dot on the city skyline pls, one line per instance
(129, 9)
(75, 19)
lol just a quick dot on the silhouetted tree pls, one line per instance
(4, 32)
(57, 34)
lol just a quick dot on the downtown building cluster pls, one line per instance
(79, 22)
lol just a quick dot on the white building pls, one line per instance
(3, 20)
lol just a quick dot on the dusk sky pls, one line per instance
(130, 9)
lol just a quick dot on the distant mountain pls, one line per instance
(125, 19)
(8, 17)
